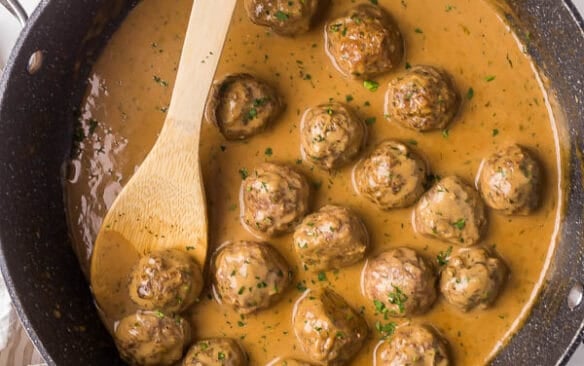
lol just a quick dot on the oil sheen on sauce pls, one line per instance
(129, 91)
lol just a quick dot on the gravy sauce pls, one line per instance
(129, 90)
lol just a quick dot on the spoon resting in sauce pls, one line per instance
(163, 205)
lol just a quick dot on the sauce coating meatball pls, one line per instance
(472, 278)
(331, 238)
(451, 211)
(413, 345)
(216, 352)
(250, 276)
(510, 180)
(241, 106)
(167, 280)
(400, 282)
(423, 98)
(274, 199)
(327, 328)
(331, 135)
(152, 338)
(365, 42)
(286, 18)
(392, 176)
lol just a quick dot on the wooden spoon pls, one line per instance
(163, 205)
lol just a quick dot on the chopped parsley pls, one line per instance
(243, 173)
(443, 256)
(281, 16)
(349, 98)
(418, 30)
(371, 85)
(495, 132)
(321, 276)
(397, 297)
(460, 224)
(470, 93)
(268, 151)
(490, 78)
(370, 120)
(445, 133)
(386, 329)
(374, 2)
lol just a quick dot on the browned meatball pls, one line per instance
(331, 238)
(413, 345)
(392, 176)
(152, 338)
(331, 135)
(451, 211)
(472, 278)
(274, 199)
(365, 42)
(510, 181)
(327, 328)
(400, 282)
(241, 106)
(167, 280)
(287, 18)
(423, 98)
(216, 352)
(250, 276)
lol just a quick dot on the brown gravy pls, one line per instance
(129, 90)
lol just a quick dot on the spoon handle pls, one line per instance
(202, 47)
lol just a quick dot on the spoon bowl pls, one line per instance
(163, 205)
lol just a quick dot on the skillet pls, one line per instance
(38, 108)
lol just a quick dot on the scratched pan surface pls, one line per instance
(37, 112)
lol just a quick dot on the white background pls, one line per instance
(9, 29)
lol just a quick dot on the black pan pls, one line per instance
(37, 112)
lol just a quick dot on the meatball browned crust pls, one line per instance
(423, 98)
(331, 135)
(331, 238)
(510, 181)
(287, 18)
(216, 352)
(241, 106)
(167, 280)
(365, 42)
(274, 199)
(392, 176)
(400, 282)
(152, 338)
(250, 276)
(472, 278)
(451, 211)
(413, 345)
(327, 328)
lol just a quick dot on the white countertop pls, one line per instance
(9, 29)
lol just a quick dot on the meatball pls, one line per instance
(152, 338)
(413, 345)
(423, 98)
(216, 352)
(451, 211)
(472, 278)
(510, 180)
(241, 106)
(167, 280)
(392, 176)
(274, 199)
(400, 282)
(364, 43)
(331, 238)
(286, 18)
(250, 276)
(331, 135)
(327, 328)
